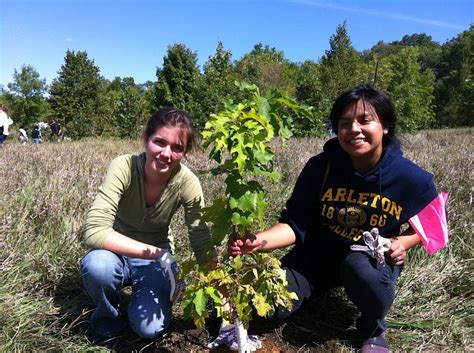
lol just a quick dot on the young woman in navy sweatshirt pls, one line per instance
(360, 182)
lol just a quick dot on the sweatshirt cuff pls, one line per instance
(300, 233)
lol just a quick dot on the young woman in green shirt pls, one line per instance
(128, 230)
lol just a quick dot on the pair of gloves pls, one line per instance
(171, 269)
(375, 245)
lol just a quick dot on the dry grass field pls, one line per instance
(46, 190)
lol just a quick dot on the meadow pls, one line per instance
(45, 193)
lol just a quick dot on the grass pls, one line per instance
(46, 190)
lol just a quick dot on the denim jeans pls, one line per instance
(368, 284)
(105, 273)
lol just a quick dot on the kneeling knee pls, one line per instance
(148, 330)
(101, 267)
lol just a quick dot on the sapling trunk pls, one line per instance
(242, 337)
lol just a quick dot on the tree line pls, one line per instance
(431, 85)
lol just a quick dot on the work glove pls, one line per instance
(375, 245)
(171, 269)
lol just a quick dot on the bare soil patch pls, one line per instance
(324, 324)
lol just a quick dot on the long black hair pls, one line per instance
(378, 99)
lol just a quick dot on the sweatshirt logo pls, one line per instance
(353, 216)
(372, 200)
(349, 212)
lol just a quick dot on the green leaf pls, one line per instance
(237, 263)
(245, 86)
(263, 107)
(238, 153)
(220, 217)
(216, 210)
(242, 221)
(263, 156)
(255, 273)
(187, 266)
(261, 304)
(214, 294)
(274, 175)
(293, 295)
(200, 301)
(285, 133)
(199, 321)
(245, 202)
(188, 307)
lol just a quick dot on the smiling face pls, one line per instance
(360, 134)
(164, 151)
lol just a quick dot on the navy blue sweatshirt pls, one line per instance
(330, 214)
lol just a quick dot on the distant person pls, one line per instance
(23, 137)
(56, 132)
(348, 214)
(36, 134)
(5, 122)
(128, 229)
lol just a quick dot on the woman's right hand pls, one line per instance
(279, 236)
(239, 246)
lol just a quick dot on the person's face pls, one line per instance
(360, 134)
(164, 150)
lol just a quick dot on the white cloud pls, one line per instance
(373, 12)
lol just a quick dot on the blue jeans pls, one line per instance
(369, 285)
(105, 273)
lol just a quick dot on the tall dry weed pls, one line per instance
(46, 190)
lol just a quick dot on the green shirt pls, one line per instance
(120, 206)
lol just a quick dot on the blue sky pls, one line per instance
(130, 37)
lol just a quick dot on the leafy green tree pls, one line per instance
(177, 80)
(310, 91)
(412, 90)
(110, 101)
(381, 56)
(218, 70)
(378, 71)
(380, 50)
(26, 98)
(75, 95)
(340, 67)
(267, 68)
(147, 90)
(429, 50)
(455, 85)
(217, 82)
(127, 110)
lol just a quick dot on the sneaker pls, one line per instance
(375, 345)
